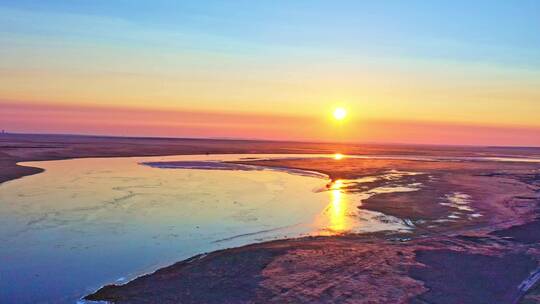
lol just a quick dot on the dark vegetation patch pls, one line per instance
(415, 205)
(201, 165)
(9, 170)
(532, 179)
(459, 277)
(475, 239)
(220, 277)
(527, 234)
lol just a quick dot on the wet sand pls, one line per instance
(450, 257)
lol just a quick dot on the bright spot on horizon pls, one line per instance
(338, 156)
(340, 113)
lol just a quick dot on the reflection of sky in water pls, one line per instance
(87, 222)
(462, 203)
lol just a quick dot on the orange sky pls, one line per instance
(121, 121)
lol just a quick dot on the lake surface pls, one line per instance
(84, 223)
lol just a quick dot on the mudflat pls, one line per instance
(474, 238)
(473, 242)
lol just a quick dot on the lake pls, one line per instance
(88, 222)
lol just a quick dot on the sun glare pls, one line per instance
(340, 113)
(338, 156)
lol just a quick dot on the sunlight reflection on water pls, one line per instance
(338, 222)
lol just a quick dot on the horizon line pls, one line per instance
(6, 132)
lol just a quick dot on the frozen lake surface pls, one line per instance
(84, 223)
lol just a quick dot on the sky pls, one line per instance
(429, 72)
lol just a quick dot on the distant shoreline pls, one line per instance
(15, 147)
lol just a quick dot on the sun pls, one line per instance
(340, 113)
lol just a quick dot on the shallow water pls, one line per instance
(84, 223)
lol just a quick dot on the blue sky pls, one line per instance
(501, 32)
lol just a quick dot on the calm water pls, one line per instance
(88, 222)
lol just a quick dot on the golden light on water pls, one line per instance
(337, 209)
(340, 113)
